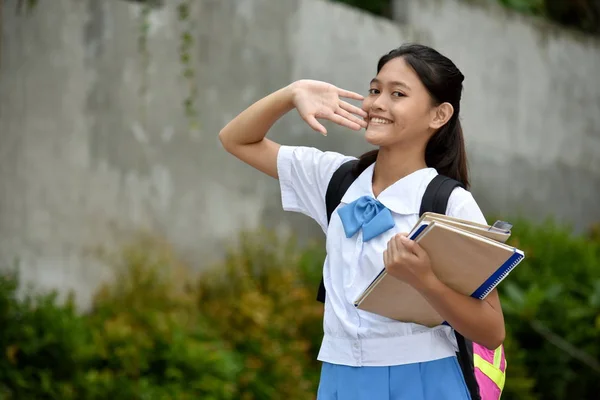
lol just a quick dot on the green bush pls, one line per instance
(41, 344)
(552, 308)
(250, 328)
(148, 338)
(144, 340)
(263, 303)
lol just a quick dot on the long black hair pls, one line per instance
(445, 150)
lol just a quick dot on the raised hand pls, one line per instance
(320, 100)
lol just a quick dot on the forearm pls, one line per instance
(475, 319)
(252, 125)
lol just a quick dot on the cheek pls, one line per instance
(401, 116)
(408, 113)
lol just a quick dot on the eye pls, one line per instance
(398, 94)
(373, 91)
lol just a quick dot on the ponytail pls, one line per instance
(445, 152)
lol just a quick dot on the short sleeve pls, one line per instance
(461, 204)
(304, 174)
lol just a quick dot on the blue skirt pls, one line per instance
(432, 380)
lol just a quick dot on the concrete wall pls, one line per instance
(531, 107)
(95, 144)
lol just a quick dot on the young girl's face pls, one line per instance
(399, 106)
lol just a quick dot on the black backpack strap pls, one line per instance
(435, 200)
(338, 185)
(465, 360)
(437, 194)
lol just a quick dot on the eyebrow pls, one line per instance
(392, 83)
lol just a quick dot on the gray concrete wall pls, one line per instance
(531, 107)
(95, 144)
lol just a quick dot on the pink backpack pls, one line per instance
(484, 370)
(490, 371)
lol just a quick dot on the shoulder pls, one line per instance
(304, 174)
(311, 155)
(463, 205)
(309, 161)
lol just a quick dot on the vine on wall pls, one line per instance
(28, 5)
(142, 45)
(186, 43)
(185, 57)
(185, 51)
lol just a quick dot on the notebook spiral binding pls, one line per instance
(499, 276)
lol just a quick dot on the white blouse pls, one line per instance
(351, 336)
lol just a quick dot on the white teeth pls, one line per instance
(380, 121)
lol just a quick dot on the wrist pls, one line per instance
(290, 93)
(283, 99)
(428, 283)
(296, 89)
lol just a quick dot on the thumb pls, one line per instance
(411, 245)
(419, 251)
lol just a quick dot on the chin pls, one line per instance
(375, 138)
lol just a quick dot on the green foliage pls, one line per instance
(520, 383)
(148, 336)
(526, 6)
(250, 327)
(552, 308)
(583, 14)
(381, 8)
(41, 344)
(144, 339)
(263, 303)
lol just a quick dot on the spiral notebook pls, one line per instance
(469, 263)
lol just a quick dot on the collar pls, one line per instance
(402, 197)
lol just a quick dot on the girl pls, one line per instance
(411, 113)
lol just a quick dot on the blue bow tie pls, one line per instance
(366, 213)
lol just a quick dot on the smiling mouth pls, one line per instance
(379, 121)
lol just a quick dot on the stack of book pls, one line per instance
(470, 258)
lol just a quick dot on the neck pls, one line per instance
(394, 164)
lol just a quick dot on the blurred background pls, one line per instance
(138, 260)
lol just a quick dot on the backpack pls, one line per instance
(483, 369)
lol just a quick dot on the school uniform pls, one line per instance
(366, 356)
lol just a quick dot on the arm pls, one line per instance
(481, 321)
(244, 136)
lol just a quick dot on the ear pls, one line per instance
(440, 115)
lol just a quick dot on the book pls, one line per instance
(498, 231)
(469, 263)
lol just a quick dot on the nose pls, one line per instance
(372, 103)
(378, 103)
